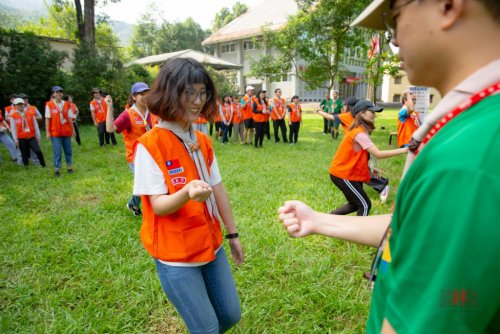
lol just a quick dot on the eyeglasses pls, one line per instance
(389, 20)
(192, 95)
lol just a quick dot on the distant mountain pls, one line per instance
(123, 30)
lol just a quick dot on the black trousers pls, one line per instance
(30, 143)
(267, 130)
(378, 183)
(105, 136)
(326, 128)
(357, 199)
(259, 133)
(294, 131)
(77, 134)
(279, 124)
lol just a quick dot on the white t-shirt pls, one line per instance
(149, 180)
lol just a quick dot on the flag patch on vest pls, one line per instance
(178, 180)
(174, 167)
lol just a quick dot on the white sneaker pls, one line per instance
(384, 194)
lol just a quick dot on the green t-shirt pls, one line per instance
(441, 273)
(326, 105)
(338, 106)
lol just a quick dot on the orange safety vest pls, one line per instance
(406, 128)
(189, 234)
(237, 115)
(348, 164)
(56, 129)
(296, 112)
(155, 119)
(218, 117)
(346, 120)
(278, 109)
(100, 110)
(29, 130)
(137, 129)
(201, 120)
(226, 111)
(247, 110)
(259, 118)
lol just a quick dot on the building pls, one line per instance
(239, 42)
(66, 45)
(393, 88)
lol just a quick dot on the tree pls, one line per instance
(60, 23)
(179, 36)
(313, 42)
(224, 16)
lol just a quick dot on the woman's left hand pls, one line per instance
(236, 251)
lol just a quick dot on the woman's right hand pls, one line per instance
(198, 190)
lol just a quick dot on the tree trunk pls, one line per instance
(89, 22)
(79, 20)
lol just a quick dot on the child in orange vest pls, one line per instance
(349, 168)
(408, 119)
(237, 121)
(295, 111)
(260, 117)
(133, 122)
(98, 111)
(185, 202)
(226, 113)
(59, 127)
(25, 131)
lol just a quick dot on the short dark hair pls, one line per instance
(277, 89)
(493, 7)
(12, 96)
(294, 97)
(164, 98)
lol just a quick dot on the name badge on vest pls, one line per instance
(174, 167)
(179, 180)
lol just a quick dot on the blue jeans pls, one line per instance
(9, 145)
(225, 130)
(205, 296)
(134, 200)
(58, 145)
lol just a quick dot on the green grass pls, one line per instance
(72, 262)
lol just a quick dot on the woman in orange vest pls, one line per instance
(237, 120)
(295, 111)
(98, 111)
(218, 120)
(133, 122)
(260, 113)
(408, 119)
(25, 131)
(349, 167)
(59, 127)
(278, 115)
(75, 111)
(185, 202)
(226, 114)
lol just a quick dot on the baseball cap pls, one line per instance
(373, 15)
(351, 101)
(138, 87)
(250, 88)
(18, 100)
(23, 96)
(95, 90)
(362, 105)
(57, 89)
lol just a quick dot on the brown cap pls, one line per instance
(372, 16)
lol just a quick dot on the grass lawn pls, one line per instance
(72, 262)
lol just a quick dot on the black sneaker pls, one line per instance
(71, 171)
(135, 210)
(57, 173)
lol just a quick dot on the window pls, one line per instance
(227, 48)
(248, 45)
(397, 80)
(396, 98)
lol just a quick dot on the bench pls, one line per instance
(390, 136)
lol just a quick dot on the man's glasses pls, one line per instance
(192, 95)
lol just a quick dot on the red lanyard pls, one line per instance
(476, 98)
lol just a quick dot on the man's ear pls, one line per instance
(450, 11)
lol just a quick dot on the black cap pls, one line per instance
(363, 105)
(351, 101)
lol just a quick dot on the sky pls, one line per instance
(202, 11)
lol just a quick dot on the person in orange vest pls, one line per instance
(349, 168)
(133, 122)
(237, 121)
(201, 125)
(6, 140)
(260, 111)
(10, 107)
(25, 131)
(226, 115)
(185, 202)
(30, 109)
(278, 115)
(246, 108)
(295, 118)
(59, 129)
(345, 119)
(74, 109)
(98, 111)
(267, 116)
(408, 119)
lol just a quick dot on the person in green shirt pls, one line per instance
(327, 106)
(337, 109)
(437, 264)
